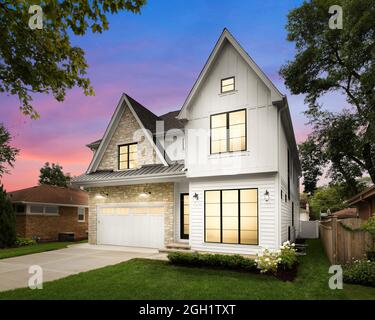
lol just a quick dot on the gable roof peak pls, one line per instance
(226, 36)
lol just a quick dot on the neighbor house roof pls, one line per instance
(346, 213)
(50, 194)
(148, 119)
(370, 192)
(146, 172)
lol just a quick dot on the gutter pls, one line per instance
(124, 181)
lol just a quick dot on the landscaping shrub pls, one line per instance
(360, 272)
(268, 261)
(21, 242)
(234, 262)
(7, 221)
(288, 255)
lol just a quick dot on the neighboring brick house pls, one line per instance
(45, 211)
(219, 175)
(364, 202)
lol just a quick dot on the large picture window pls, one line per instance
(127, 154)
(228, 131)
(231, 216)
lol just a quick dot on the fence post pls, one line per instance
(334, 239)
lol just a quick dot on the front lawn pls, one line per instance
(148, 279)
(36, 248)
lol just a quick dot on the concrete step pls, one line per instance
(178, 246)
(175, 250)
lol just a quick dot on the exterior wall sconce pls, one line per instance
(101, 195)
(266, 196)
(145, 193)
(195, 196)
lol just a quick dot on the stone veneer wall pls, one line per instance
(128, 131)
(160, 192)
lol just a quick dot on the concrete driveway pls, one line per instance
(14, 272)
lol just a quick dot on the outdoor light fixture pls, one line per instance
(101, 195)
(195, 196)
(266, 196)
(145, 193)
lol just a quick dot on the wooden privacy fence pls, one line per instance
(343, 240)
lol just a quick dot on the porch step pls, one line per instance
(176, 250)
(178, 246)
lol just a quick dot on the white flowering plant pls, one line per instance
(269, 261)
(288, 255)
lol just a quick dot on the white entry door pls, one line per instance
(134, 226)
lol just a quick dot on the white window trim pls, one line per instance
(84, 215)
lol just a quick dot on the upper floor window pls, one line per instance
(227, 85)
(228, 131)
(127, 155)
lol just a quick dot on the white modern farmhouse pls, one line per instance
(219, 175)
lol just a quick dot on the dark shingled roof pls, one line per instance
(50, 194)
(149, 119)
(170, 120)
(155, 170)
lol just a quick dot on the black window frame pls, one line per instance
(183, 235)
(234, 85)
(227, 128)
(239, 217)
(128, 160)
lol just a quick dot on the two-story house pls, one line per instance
(220, 175)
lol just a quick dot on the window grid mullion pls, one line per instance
(228, 144)
(221, 216)
(239, 217)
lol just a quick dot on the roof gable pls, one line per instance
(139, 112)
(226, 37)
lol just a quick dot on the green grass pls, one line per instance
(148, 279)
(36, 248)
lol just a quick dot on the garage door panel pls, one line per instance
(139, 230)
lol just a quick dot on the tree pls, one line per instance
(312, 161)
(328, 197)
(44, 60)
(337, 60)
(7, 221)
(7, 152)
(53, 175)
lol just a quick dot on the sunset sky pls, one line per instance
(155, 57)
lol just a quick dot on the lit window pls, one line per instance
(231, 216)
(227, 85)
(81, 214)
(228, 132)
(127, 156)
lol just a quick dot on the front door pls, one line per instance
(184, 217)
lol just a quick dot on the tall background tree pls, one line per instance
(341, 61)
(7, 152)
(7, 221)
(44, 60)
(53, 175)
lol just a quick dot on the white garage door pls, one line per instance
(131, 226)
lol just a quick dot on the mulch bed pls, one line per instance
(287, 275)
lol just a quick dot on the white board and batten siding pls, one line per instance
(267, 213)
(250, 94)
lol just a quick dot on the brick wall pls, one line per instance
(160, 192)
(48, 227)
(128, 131)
